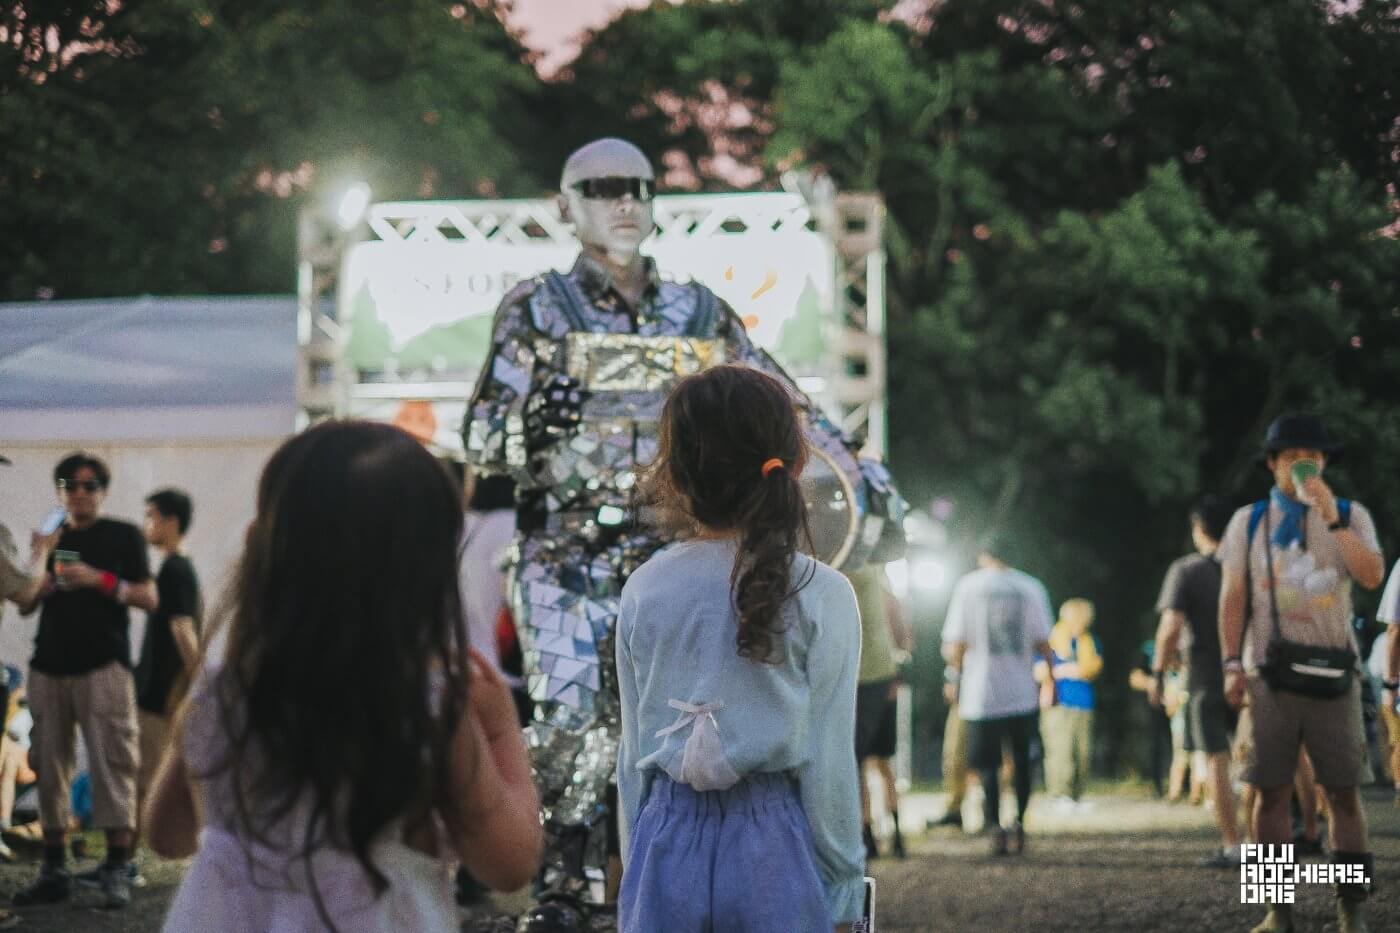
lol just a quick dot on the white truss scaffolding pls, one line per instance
(852, 223)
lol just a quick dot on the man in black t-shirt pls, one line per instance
(81, 677)
(1190, 598)
(170, 650)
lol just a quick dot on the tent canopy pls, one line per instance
(147, 367)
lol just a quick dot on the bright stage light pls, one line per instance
(897, 572)
(928, 573)
(353, 204)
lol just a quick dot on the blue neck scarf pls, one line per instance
(1290, 528)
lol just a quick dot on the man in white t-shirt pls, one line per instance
(998, 627)
(1291, 559)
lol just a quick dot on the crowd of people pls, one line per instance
(82, 577)
(701, 699)
(1256, 658)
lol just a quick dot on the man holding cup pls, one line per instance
(81, 677)
(1288, 563)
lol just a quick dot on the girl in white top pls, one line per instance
(348, 749)
(737, 659)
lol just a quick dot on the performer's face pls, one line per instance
(612, 214)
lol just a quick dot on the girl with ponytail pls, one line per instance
(736, 663)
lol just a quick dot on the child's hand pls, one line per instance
(489, 699)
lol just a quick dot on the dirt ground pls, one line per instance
(1123, 864)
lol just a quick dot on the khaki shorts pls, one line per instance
(1279, 722)
(103, 704)
(155, 736)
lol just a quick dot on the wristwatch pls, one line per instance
(1340, 524)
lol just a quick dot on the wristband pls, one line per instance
(120, 593)
(108, 583)
(1390, 684)
(1232, 665)
(951, 675)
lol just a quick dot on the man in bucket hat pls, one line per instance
(1288, 563)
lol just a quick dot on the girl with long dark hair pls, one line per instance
(736, 665)
(349, 746)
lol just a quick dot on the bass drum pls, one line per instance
(831, 509)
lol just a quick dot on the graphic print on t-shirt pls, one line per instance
(1006, 615)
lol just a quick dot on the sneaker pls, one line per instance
(116, 885)
(1221, 858)
(1018, 839)
(54, 884)
(999, 841)
(951, 818)
(93, 879)
(872, 851)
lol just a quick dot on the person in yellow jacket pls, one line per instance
(1068, 726)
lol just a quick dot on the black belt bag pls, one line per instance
(1325, 673)
(1291, 666)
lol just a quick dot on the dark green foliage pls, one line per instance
(176, 159)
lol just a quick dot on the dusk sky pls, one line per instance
(553, 26)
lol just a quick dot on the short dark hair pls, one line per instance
(173, 503)
(69, 466)
(1212, 513)
(998, 543)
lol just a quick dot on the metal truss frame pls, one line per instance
(852, 222)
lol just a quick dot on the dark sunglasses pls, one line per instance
(89, 485)
(614, 187)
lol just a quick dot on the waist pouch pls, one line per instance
(1293, 667)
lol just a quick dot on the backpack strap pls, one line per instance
(1344, 512)
(568, 298)
(1256, 515)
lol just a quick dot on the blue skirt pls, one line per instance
(738, 861)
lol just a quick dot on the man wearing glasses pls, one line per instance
(81, 677)
(567, 404)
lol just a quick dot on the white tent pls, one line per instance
(186, 392)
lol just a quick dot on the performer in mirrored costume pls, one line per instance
(567, 404)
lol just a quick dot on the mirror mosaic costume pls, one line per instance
(568, 405)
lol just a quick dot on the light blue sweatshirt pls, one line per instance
(676, 633)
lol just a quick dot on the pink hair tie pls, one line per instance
(775, 464)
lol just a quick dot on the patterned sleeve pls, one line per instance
(494, 430)
(740, 349)
(876, 496)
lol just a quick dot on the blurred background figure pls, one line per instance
(884, 635)
(1068, 726)
(998, 624)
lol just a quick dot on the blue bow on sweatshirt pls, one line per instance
(1290, 527)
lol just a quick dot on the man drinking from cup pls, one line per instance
(81, 677)
(1288, 563)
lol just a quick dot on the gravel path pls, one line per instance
(1123, 865)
